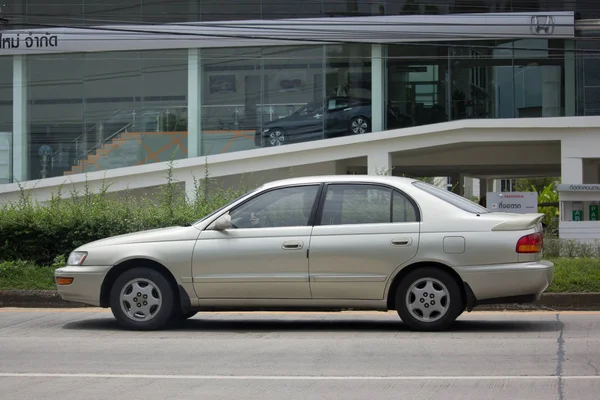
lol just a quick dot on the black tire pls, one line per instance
(451, 299)
(157, 286)
(276, 133)
(179, 316)
(189, 314)
(359, 125)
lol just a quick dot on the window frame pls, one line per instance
(318, 221)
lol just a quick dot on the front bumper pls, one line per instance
(86, 285)
(503, 281)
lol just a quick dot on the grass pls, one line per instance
(26, 276)
(575, 275)
(571, 275)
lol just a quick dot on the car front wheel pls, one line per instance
(359, 125)
(428, 299)
(276, 137)
(142, 299)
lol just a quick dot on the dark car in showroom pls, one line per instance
(338, 116)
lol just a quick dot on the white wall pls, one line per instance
(323, 151)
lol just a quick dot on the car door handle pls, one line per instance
(402, 242)
(347, 109)
(292, 245)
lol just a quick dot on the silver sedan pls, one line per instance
(319, 243)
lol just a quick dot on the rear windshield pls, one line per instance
(452, 198)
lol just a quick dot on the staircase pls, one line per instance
(127, 149)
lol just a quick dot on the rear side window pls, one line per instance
(452, 198)
(403, 209)
(366, 204)
(356, 204)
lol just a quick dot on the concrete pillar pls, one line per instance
(378, 97)
(379, 163)
(483, 187)
(195, 78)
(341, 167)
(551, 91)
(572, 170)
(20, 148)
(457, 183)
(570, 82)
(468, 187)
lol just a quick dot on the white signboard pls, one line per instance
(513, 202)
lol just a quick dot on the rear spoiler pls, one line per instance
(520, 223)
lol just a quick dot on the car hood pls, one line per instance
(154, 235)
(281, 121)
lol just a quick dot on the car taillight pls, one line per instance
(531, 243)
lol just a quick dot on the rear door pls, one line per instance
(363, 232)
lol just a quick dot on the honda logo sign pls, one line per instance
(542, 24)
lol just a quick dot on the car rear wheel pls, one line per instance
(276, 137)
(142, 299)
(359, 125)
(428, 299)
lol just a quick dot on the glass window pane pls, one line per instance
(356, 204)
(416, 85)
(107, 12)
(474, 79)
(257, 97)
(348, 79)
(56, 89)
(6, 119)
(452, 198)
(98, 111)
(403, 209)
(277, 208)
(163, 117)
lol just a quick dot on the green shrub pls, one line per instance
(25, 275)
(40, 233)
(575, 275)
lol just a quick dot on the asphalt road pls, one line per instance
(82, 354)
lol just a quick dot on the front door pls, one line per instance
(264, 254)
(365, 233)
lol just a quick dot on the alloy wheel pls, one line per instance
(428, 300)
(140, 299)
(276, 138)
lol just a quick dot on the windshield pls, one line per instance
(452, 198)
(310, 108)
(225, 206)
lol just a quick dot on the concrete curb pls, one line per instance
(549, 301)
(35, 299)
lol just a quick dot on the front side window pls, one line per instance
(276, 208)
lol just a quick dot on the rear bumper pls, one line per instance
(507, 283)
(86, 286)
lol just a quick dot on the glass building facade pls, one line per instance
(31, 13)
(70, 112)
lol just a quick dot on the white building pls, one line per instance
(473, 97)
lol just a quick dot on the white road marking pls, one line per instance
(302, 377)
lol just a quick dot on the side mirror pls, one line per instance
(222, 223)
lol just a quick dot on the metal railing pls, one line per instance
(102, 143)
(226, 116)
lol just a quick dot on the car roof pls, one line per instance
(385, 179)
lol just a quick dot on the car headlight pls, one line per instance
(77, 258)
